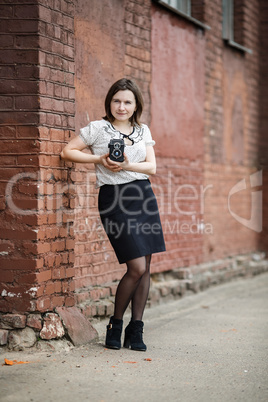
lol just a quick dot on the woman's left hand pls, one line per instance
(121, 165)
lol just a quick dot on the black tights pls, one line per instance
(134, 287)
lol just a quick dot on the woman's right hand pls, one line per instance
(109, 164)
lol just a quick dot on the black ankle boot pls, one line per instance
(113, 334)
(133, 336)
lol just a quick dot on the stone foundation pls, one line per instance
(20, 331)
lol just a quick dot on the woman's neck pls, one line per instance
(123, 127)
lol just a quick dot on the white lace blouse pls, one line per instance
(97, 135)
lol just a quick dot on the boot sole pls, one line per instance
(139, 350)
(112, 347)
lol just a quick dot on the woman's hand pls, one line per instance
(125, 164)
(117, 166)
(109, 164)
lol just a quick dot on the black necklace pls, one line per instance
(127, 135)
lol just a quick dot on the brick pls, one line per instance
(69, 301)
(8, 160)
(70, 272)
(18, 56)
(20, 118)
(26, 11)
(43, 248)
(13, 234)
(18, 264)
(58, 273)
(6, 41)
(27, 132)
(6, 276)
(27, 42)
(49, 289)
(57, 301)
(44, 304)
(43, 276)
(7, 132)
(26, 102)
(26, 279)
(18, 25)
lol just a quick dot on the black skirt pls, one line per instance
(130, 217)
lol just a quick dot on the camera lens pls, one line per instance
(117, 153)
(117, 145)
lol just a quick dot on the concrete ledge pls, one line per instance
(172, 285)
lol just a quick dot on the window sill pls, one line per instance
(182, 14)
(237, 46)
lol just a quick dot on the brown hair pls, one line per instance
(122, 85)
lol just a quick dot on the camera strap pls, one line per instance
(127, 136)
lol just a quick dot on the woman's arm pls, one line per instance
(146, 167)
(73, 152)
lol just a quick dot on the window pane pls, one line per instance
(227, 23)
(181, 5)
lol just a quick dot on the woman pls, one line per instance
(127, 204)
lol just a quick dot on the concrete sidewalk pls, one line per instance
(212, 346)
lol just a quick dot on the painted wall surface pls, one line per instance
(177, 125)
(99, 55)
(177, 88)
(100, 61)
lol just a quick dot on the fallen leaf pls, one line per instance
(13, 362)
(148, 359)
(228, 330)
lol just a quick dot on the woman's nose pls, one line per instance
(121, 106)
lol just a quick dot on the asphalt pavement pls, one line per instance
(211, 346)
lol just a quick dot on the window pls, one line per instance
(180, 5)
(232, 24)
(191, 10)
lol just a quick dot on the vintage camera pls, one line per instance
(116, 147)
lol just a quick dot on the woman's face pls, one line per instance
(123, 105)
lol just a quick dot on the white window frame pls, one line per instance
(181, 5)
(176, 6)
(228, 25)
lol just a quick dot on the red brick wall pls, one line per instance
(231, 137)
(19, 152)
(57, 107)
(37, 114)
(263, 123)
(201, 102)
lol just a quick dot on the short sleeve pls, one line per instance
(89, 134)
(148, 137)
